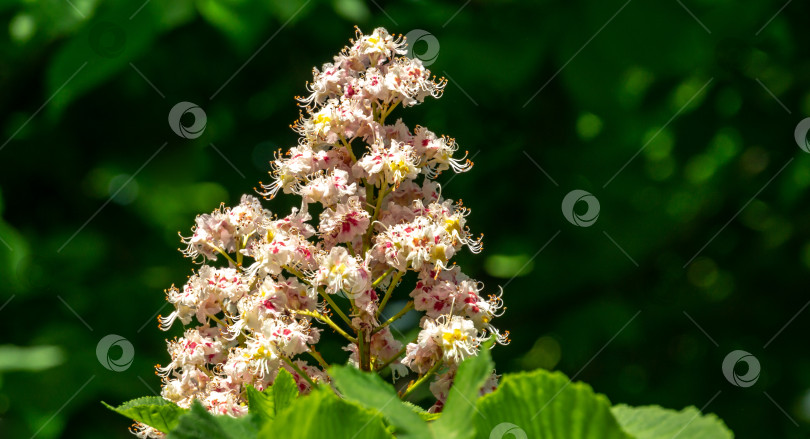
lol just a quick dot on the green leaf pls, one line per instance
(542, 404)
(323, 415)
(243, 23)
(460, 405)
(200, 424)
(261, 404)
(352, 10)
(274, 399)
(369, 390)
(153, 411)
(288, 11)
(285, 390)
(423, 414)
(654, 422)
(33, 358)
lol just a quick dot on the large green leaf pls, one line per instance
(266, 404)
(285, 390)
(261, 404)
(654, 422)
(369, 390)
(323, 415)
(153, 411)
(546, 405)
(460, 406)
(200, 424)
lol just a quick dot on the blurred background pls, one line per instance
(678, 117)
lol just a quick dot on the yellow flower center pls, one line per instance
(438, 253)
(321, 122)
(261, 352)
(452, 224)
(450, 338)
(339, 269)
(399, 166)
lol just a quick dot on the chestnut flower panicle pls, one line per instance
(281, 280)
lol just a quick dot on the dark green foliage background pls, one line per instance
(568, 303)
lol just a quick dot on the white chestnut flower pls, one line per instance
(449, 338)
(344, 222)
(327, 188)
(340, 271)
(391, 164)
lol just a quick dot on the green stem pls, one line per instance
(297, 274)
(318, 357)
(362, 348)
(298, 369)
(369, 206)
(328, 321)
(351, 249)
(377, 208)
(227, 256)
(387, 112)
(213, 317)
(422, 379)
(392, 359)
(381, 278)
(242, 244)
(323, 294)
(408, 306)
(334, 306)
(388, 293)
(348, 146)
